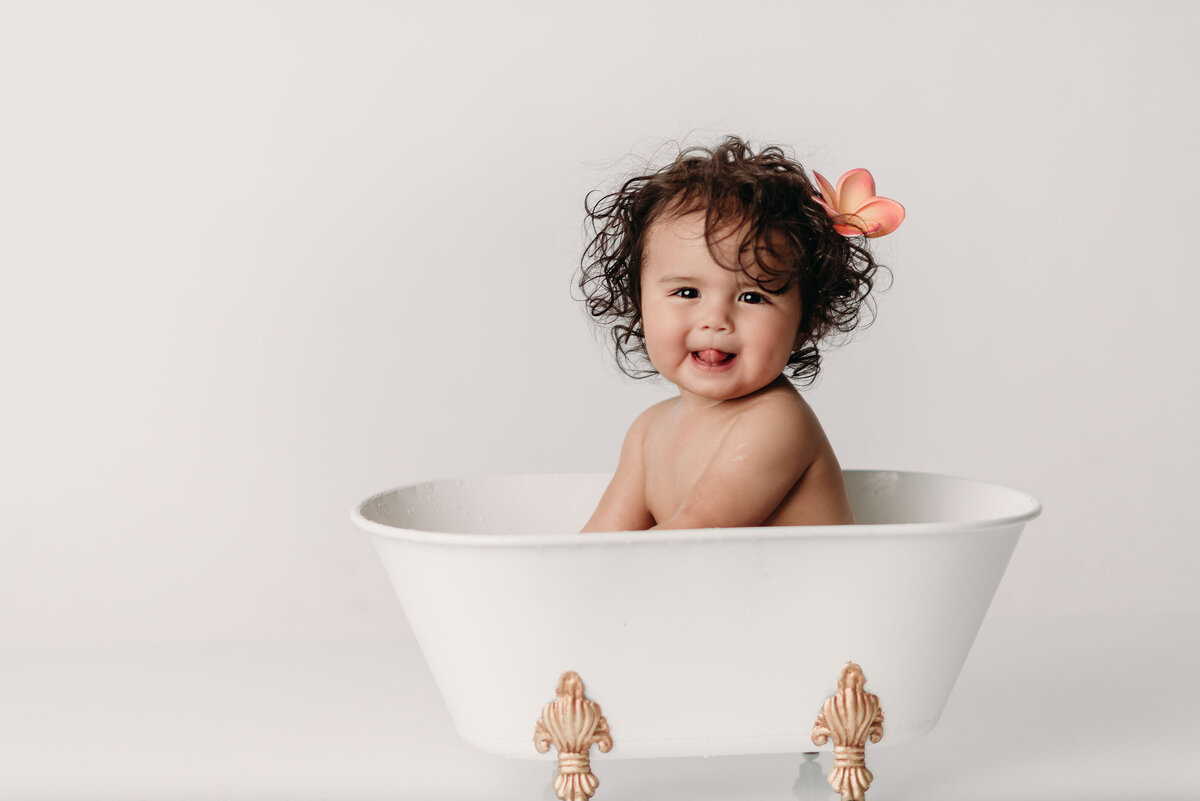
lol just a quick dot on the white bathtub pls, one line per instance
(694, 643)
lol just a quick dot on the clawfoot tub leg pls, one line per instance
(572, 724)
(850, 718)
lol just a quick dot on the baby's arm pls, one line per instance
(763, 455)
(623, 506)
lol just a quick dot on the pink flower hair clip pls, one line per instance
(856, 209)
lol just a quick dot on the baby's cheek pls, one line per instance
(656, 356)
(653, 337)
(650, 342)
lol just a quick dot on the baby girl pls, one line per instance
(723, 270)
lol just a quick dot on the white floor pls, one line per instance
(1101, 708)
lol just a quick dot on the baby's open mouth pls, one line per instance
(712, 357)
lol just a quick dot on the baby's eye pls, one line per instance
(752, 297)
(687, 292)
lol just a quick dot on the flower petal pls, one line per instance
(882, 215)
(830, 209)
(853, 225)
(854, 189)
(831, 195)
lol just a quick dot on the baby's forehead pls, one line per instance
(673, 238)
(668, 230)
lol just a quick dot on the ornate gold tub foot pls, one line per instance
(572, 724)
(850, 717)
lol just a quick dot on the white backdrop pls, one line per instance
(260, 260)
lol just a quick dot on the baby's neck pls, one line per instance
(690, 402)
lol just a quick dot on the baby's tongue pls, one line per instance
(711, 356)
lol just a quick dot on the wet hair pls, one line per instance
(787, 237)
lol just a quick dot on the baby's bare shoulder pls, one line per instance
(660, 408)
(652, 417)
(780, 407)
(779, 425)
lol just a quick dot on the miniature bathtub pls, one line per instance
(698, 642)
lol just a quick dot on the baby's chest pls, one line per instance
(675, 459)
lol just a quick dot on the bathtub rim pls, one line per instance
(580, 538)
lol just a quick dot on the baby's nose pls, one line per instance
(715, 317)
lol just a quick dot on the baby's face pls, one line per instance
(711, 331)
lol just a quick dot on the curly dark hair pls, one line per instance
(769, 197)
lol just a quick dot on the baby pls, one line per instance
(723, 269)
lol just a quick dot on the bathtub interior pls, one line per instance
(559, 504)
(548, 504)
